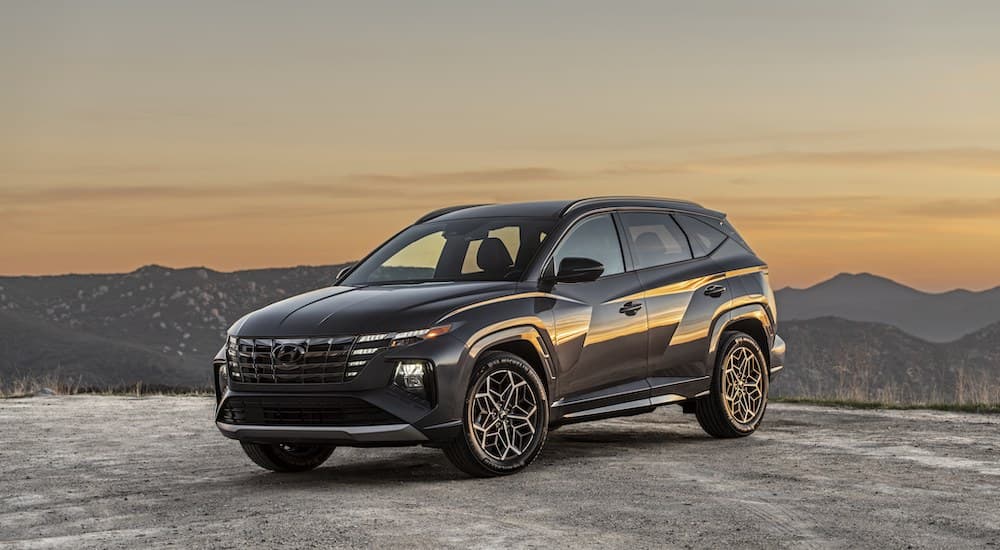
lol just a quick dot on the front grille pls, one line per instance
(330, 360)
(303, 411)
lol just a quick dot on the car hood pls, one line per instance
(370, 309)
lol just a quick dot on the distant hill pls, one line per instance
(163, 326)
(29, 348)
(156, 325)
(832, 357)
(940, 317)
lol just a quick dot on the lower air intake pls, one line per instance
(303, 411)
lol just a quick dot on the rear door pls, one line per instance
(684, 290)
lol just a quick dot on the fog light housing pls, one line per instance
(414, 377)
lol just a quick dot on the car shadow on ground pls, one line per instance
(427, 465)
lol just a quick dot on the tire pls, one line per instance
(523, 433)
(287, 458)
(740, 414)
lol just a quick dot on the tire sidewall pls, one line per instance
(313, 456)
(487, 365)
(730, 344)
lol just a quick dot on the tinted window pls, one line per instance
(510, 238)
(733, 234)
(481, 249)
(655, 239)
(594, 238)
(704, 238)
(418, 260)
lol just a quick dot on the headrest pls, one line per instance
(649, 244)
(493, 256)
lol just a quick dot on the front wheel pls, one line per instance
(736, 402)
(506, 418)
(286, 457)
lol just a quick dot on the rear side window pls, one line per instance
(704, 238)
(594, 238)
(655, 239)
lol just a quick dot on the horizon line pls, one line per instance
(335, 264)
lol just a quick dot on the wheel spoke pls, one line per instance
(742, 384)
(503, 414)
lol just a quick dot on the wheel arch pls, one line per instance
(524, 341)
(751, 319)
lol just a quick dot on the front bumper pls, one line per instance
(389, 434)
(367, 411)
(777, 355)
(395, 419)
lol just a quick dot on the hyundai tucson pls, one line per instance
(480, 328)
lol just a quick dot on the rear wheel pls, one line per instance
(736, 402)
(506, 417)
(287, 457)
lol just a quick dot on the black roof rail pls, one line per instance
(446, 210)
(581, 202)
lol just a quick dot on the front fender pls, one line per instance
(526, 333)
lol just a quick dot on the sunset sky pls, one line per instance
(838, 136)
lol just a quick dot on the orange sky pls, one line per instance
(844, 138)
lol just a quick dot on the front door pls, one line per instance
(600, 325)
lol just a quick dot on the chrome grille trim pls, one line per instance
(325, 360)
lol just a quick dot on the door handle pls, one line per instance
(715, 291)
(630, 308)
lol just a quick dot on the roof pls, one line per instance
(559, 209)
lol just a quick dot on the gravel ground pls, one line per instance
(121, 472)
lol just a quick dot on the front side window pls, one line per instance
(594, 238)
(655, 239)
(481, 249)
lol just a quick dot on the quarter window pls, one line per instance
(595, 238)
(704, 238)
(655, 239)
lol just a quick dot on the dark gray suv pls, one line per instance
(480, 328)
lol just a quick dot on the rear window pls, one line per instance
(704, 237)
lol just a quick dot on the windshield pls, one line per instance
(481, 249)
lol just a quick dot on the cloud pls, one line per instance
(354, 186)
(72, 193)
(968, 159)
(973, 159)
(644, 169)
(957, 208)
(502, 175)
(291, 190)
(784, 202)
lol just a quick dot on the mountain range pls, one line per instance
(156, 325)
(942, 317)
(854, 336)
(836, 358)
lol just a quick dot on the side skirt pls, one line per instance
(659, 392)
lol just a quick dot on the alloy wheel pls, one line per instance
(743, 385)
(503, 415)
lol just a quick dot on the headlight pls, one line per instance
(232, 356)
(404, 338)
(415, 377)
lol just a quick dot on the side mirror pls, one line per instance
(343, 273)
(578, 270)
